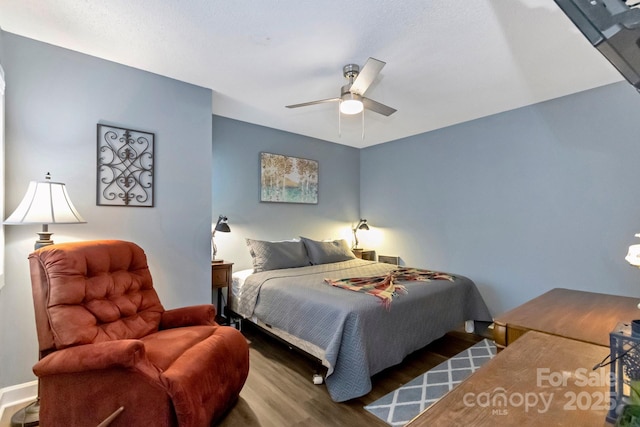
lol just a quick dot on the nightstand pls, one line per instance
(221, 278)
(388, 259)
(365, 254)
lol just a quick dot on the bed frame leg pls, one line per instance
(469, 326)
(317, 379)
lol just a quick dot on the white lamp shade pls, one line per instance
(46, 202)
(633, 256)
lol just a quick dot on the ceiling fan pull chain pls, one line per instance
(339, 128)
(363, 124)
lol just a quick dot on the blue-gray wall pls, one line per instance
(54, 99)
(521, 202)
(236, 188)
(1, 45)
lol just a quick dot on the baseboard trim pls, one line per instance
(16, 394)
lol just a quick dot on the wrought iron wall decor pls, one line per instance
(125, 167)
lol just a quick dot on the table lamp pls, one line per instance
(362, 225)
(625, 362)
(633, 256)
(46, 202)
(222, 226)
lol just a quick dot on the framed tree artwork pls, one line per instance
(285, 179)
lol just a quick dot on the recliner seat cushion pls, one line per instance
(165, 347)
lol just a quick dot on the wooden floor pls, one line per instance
(279, 391)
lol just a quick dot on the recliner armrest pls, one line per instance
(110, 354)
(194, 315)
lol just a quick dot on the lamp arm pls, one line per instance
(213, 245)
(361, 224)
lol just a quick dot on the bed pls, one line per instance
(352, 333)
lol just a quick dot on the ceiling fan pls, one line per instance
(352, 99)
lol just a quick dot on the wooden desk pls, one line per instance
(530, 369)
(584, 316)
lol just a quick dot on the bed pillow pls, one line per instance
(326, 252)
(275, 255)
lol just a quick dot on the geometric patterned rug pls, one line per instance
(402, 405)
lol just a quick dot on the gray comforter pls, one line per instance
(360, 337)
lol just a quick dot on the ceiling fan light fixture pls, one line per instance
(352, 100)
(351, 104)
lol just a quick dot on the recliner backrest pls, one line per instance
(93, 291)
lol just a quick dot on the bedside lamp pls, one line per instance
(633, 256)
(46, 202)
(362, 225)
(222, 226)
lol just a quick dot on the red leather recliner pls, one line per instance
(106, 341)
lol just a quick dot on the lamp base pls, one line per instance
(44, 237)
(29, 416)
(40, 244)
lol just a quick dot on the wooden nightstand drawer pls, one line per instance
(221, 276)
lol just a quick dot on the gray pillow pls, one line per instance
(326, 252)
(275, 255)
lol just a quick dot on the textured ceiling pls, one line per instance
(447, 61)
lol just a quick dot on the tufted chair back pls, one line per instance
(91, 292)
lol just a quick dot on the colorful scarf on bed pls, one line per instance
(384, 287)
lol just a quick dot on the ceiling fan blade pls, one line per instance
(376, 107)
(366, 76)
(306, 104)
